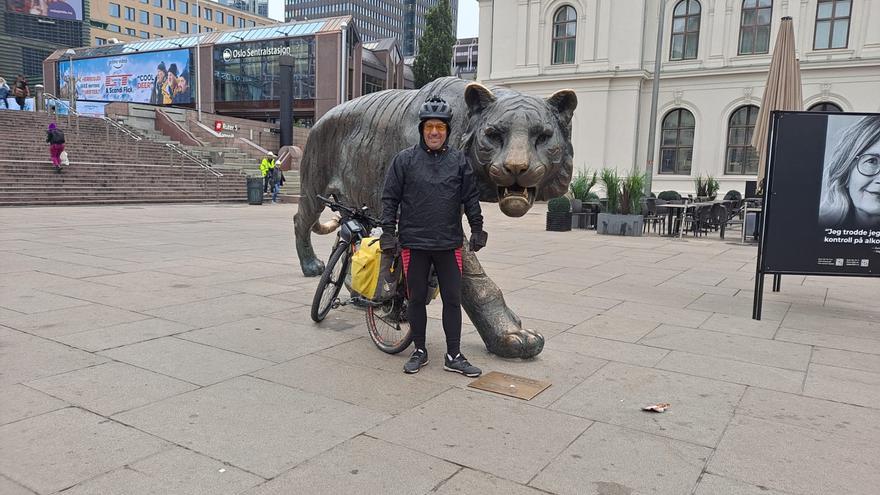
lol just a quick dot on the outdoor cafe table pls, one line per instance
(757, 211)
(681, 212)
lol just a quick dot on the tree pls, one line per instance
(435, 45)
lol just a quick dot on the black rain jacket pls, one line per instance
(430, 188)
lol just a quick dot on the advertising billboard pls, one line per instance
(822, 210)
(158, 78)
(71, 10)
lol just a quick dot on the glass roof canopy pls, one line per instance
(270, 32)
(275, 31)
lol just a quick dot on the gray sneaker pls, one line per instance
(460, 364)
(418, 359)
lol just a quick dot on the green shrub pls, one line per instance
(582, 183)
(559, 205)
(712, 186)
(632, 190)
(611, 182)
(733, 195)
(669, 196)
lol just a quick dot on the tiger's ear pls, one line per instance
(477, 97)
(563, 102)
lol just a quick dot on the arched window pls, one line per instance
(825, 106)
(741, 156)
(754, 27)
(832, 24)
(677, 142)
(685, 30)
(564, 35)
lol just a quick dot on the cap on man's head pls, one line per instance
(173, 69)
(270, 153)
(52, 126)
(161, 66)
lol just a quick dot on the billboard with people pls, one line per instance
(71, 10)
(158, 78)
(823, 196)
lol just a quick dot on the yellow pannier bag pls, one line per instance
(374, 274)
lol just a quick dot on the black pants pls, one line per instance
(417, 267)
(20, 100)
(266, 182)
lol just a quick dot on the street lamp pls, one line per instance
(198, 71)
(655, 91)
(71, 80)
(343, 73)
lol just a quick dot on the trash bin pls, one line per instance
(255, 190)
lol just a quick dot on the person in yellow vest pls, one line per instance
(266, 169)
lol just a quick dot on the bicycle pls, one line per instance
(386, 321)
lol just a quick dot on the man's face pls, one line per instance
(171, 79)
(160, 75)
(434, 132)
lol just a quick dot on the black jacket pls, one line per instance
(55, 136)
(430, 189)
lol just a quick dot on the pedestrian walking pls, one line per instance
(55, 138)
(276, 182)
(20, 91)
(4, 92)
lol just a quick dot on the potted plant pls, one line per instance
(580, 189)
(559, 214)
(701, 188)
(712, 187)
(623, 214)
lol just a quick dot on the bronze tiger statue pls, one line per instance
(518, 145)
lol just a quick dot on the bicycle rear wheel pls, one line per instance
(331, 282)
(388, 326)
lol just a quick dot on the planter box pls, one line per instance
(610, 224)
(558, 221)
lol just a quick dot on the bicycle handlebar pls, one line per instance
(353, 212)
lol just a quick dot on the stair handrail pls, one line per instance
(121, 128)
(186, 154)
(50, 96)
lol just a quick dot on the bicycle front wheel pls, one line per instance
(331, 282)
(388, 325)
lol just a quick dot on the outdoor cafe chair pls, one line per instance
(718, 217)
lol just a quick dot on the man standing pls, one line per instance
(267, 166)
(430, 182)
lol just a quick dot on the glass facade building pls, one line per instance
(250, 71)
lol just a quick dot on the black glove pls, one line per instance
(388, 242)
(478, 240)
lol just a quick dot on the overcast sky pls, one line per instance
(468, 16)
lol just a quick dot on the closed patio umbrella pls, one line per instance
(783, 91)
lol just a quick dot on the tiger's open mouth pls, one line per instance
(515, 200)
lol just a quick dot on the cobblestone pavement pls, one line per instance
(168, 350)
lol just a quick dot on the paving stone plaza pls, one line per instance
(169, 350)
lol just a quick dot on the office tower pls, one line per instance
(375, 19)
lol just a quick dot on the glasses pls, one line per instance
(868, 164)
(431, 127)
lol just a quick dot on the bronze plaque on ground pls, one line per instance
(512, 385)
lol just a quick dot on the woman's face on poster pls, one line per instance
(864, 182)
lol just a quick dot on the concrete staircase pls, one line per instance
(107, 167)
(224, 154)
